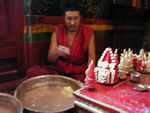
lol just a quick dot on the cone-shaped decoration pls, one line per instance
(141, 66)
(90, 78)
(107, 69)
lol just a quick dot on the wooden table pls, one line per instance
(9, 87)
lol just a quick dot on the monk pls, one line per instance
(72, 47)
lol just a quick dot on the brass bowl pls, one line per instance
(47, 93)
(10, 104)
(139, 87)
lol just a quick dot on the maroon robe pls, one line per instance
(73, 65)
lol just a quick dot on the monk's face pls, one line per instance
(72, 20)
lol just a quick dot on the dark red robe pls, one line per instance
(73, 65)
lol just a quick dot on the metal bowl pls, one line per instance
(135, 77)
(139, 87)
(10, 104)
(47, 93)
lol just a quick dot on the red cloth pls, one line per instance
(122, 97)
(73, 65)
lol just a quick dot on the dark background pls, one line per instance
(97, 9)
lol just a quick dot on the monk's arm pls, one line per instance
(52, 56)
(91, 50)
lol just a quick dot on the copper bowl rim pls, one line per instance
(25, 82)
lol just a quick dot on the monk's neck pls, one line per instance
(71, 36)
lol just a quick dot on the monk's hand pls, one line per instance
(62, 51)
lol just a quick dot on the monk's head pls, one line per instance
(72, 17)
